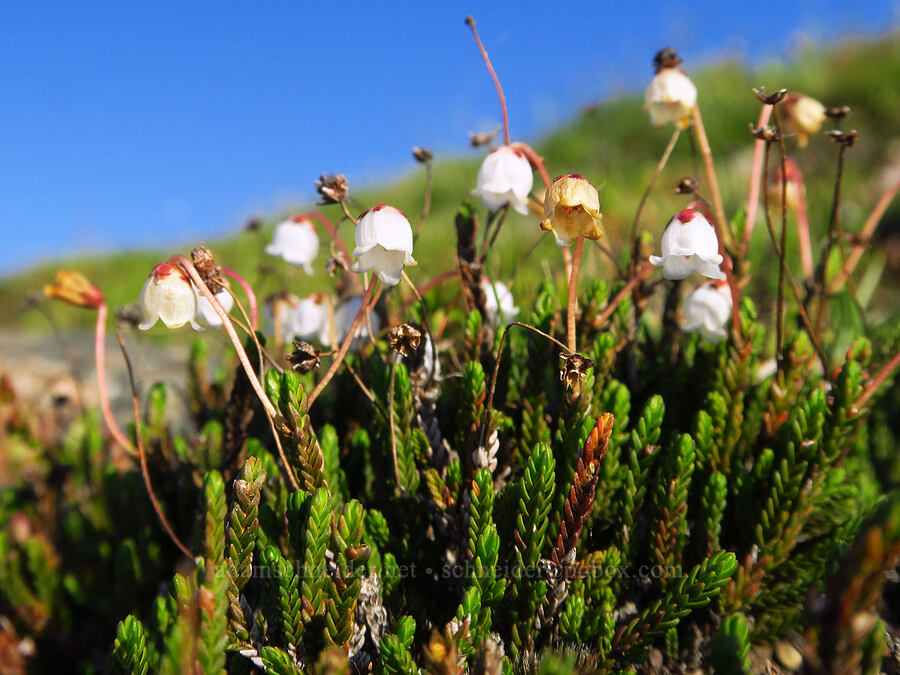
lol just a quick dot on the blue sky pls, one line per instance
(126, 124)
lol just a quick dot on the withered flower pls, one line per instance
(333, 188)
(253, 225)
(74, 288)
(304, 358)
(574, 369)
(666, 58)
(337, 263)
(405, 339)
(210, 272)
(686, 186)
(477, 139)
(423, 155)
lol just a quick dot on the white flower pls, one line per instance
(296, 241)
(430, 359)
(505, 177)
(205, 310)
(670, 97)
(168, 295)
(309, 316)
(278, 313)
(384, 243)
(708, 309)
(689, 244)
(506, 310)
(342, 319)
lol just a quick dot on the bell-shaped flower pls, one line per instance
(309, 316)
(505, 177)
(296, 241)
(278, 314)
(670, 97)
(499, 303)
(803, 116)
(708, 310)
(168, 295)
(572, 210)
(205, 310)
(793, 187)
(384, 243)
(689, 244)
(340, 322)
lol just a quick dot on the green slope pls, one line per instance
(613, 145)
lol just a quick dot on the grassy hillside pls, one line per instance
(613, 145)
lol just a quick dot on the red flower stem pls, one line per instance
(332, 230)
(143, 458)
(251, 296)
(879, 379)
(572, 304)
(100, 364)
(755, 177)
(803, 233)
(536, 160)
(706, 152)
(470, 22)
(864, 234)
(188, 267)
(345, 346)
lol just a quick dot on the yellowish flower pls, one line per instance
(803, 116)
(572, 210)
(74, 288)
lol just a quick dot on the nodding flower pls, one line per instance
(296, 241)
(689, 244)
(670, 97)
(342, 319)
(803, 116)
(793, 186)
(384, 243)
(205, 310)
(503, 311)
(74, 288)
(168, 296)
(572, 210)
(505, 177)
(708, 310)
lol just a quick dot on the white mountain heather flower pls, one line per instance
(670, 97)
(168, 295)
(384, 243)
(309, 316)
(296, 241)
(205, 310)
(342, 319)
(708, 309)
(572, 210)
(506, 310)
(803, 116)
(505, 177)
(689, 244)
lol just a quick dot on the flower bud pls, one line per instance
(792, 189)
(670, 97)
(708, 309)
(168, 295)
(803, 116)
(74, 288)
(505, 177)
(384, 243)
(296, 241)
(572, 210)
(689, 244)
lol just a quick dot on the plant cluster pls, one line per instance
(609, 478)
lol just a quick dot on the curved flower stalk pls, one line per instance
(295, 240)
(168, 296)
(505, 177)
(708, 310)
(671, 95)
(251, 295)
(689, 244)
(75, 289)
(384, 243)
